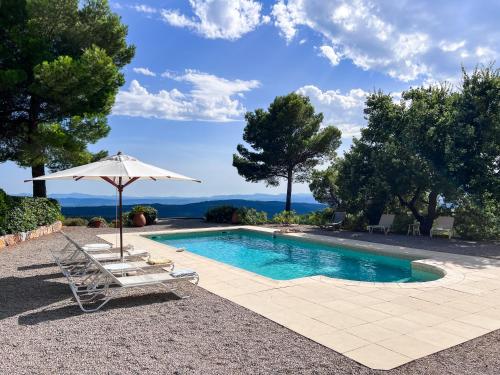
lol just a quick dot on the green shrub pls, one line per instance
(97, 222)
(4, 206)
(150, 213)
(4, 203)
(478, 222)
(20, 218)
(26, 213)
(75, 222)
(401, 222)
(220, 214)
(355, 222)
(250, 216)
(126, 220)
(286, 218)
(317, 217)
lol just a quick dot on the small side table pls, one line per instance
(414, 229)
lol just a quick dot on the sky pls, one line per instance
(201, 64)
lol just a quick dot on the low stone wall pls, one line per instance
(13, 239)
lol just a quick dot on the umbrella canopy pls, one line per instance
(115, 167)
(120, 171)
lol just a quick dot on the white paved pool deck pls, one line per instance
(380, 325)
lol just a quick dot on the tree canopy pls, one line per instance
(434, 146)
(286, 141)
(476, 133)
(59, 74)
(324, 186)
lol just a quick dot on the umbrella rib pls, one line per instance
(107, 179)
(126, 169)
(130, 181)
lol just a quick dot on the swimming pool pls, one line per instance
(285, 258)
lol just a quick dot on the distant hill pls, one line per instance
(197, 209)
(77, 199)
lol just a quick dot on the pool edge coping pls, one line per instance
(438, 262)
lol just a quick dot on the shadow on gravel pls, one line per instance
(21, 294)
(73, 310)
(36, 266)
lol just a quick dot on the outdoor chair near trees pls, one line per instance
(337, 220)
(414, 228)
(384, 224)
(443, 225)
(93, 282)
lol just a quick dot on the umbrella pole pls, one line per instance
(120, 212)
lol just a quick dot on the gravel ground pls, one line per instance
(42, 331)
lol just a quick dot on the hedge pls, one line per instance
(220, 214)
(22, 214)
(75, 222)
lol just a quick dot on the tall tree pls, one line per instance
(324, 186)
(405, 148)
(59, 74)
(476, 134)
(287, 143)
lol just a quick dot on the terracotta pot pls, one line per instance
(139, 220)
(96, 224)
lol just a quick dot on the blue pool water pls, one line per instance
(283, 258)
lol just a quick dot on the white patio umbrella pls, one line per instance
(120, 171)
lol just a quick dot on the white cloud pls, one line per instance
(115, 5)
(174, 18)
(143, 8)
(485, 53)
(218, 19)
(447, 46)
(287, 17)
(144, 71)
(342, 110)
(406, 40)
(345, 111)
(211, 98)
(330, 54)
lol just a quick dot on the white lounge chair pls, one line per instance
(97, 288)
(96, 246)
(443, 225)
(384, 224)
(73, 259)
(72, 250)
(337, 220)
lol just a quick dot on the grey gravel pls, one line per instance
(151, 332)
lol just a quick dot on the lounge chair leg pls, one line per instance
(94, 309)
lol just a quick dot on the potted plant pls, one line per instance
(97, 222)
(138, 218)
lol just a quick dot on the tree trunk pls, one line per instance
(427, 221)
(288, 205)
(39, 188)
(37, 170)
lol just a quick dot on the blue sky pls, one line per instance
(201, 64)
